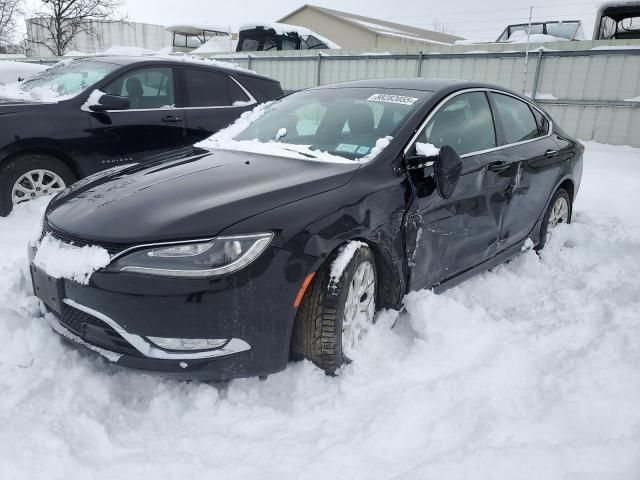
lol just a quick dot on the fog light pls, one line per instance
(189, 343)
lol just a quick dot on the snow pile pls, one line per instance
(634, 99)
(11, 72)
(528, 372)
(60, 260)
(94, 99)
(342, 260)
(219, 44)
(427, 149)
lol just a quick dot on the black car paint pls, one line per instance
(88, 142)
(313, 210)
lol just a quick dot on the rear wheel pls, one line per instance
(336, 312)
(31, 176)
(559, 211)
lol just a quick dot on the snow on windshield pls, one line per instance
(64, 80)
(336, 125)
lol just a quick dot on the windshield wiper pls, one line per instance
(308, 155)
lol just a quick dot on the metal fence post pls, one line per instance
(318, 69)
(419, 68)
(536, 76)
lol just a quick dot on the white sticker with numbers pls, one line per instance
(384, 97)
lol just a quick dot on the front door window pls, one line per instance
(146, 88)
(464, 123)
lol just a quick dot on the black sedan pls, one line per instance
(56, 129)
(281, 240)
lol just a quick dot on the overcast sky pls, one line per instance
(467, 18)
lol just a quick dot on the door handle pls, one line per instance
(499, 166)
(171, 119)
(551, 153)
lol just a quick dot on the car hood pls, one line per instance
(196, 197)
(4, 102)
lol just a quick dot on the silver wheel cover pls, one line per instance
(359, 307)
(36, 183)
(559, 214)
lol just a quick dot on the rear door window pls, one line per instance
(518, 121)
(206, 89)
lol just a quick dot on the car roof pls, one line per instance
(133, 59)
(417, 83)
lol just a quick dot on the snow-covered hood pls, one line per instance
(196, 197)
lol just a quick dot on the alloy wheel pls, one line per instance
(36, 183)
(359, 307)
(559, 214)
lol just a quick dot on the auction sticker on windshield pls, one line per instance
(384, 97)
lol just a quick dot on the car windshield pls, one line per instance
(345, 122)
(67, 79)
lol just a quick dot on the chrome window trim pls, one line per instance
(481, 89)
(235, 345)
(252, 101)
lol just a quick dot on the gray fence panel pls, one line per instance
(587, 91)
(592, 89)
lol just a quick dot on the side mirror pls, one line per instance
(110, 102)
(447, 170)
(447, 166)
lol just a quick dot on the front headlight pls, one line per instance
(211, 258)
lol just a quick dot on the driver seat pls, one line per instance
(135, 91)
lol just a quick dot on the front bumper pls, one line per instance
(253, 309)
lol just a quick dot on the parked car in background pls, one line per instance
(282, 241)
(280, 36)
(618, 21)
(86, 115)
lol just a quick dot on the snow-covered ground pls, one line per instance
(530, 371)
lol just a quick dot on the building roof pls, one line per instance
(382, 27)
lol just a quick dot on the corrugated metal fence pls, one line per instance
(592, 93)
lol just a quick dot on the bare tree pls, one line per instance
(441, 27)
(9, 12)
(63, 20)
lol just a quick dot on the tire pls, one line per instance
(547, 222)
(318, 329)
(16, 169)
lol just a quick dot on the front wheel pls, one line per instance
(31, 176)
(336, 312)
(559, 211)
